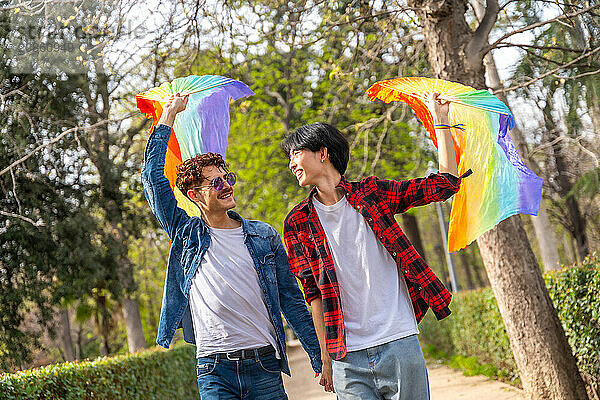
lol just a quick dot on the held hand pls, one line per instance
(439, 109)
(175, 105)
(327, 375)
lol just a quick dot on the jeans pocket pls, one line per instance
(205, 367)
(270, 364)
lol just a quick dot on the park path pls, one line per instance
(445, 383)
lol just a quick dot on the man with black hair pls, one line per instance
(366, 284)
(228, 280)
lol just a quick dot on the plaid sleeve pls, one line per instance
(299, 263)
(402, 195)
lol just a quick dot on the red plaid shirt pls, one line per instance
(377, 200)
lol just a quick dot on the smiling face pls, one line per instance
(208, 199)
(318, 153)
(306, 165)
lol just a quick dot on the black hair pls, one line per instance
(316, 136)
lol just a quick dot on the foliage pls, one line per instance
(51, 253)
(574, 292)
(302, 71)
(152, 374)
(566, 111)
(84, 189)
(475, 328)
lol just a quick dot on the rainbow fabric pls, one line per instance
(501, 185)
(201, 128)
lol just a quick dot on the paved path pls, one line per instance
(445, 383)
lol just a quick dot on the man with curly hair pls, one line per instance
(228, 279)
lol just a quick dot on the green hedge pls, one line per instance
(475, 328)
(152, 374)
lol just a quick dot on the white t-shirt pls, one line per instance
(226, 301)
(375, 302)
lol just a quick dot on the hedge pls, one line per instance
(475, 328)
(151, 374)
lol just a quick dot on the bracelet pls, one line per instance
(457, 126)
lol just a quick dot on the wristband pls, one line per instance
(457, 126)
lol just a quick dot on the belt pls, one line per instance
(245, 354)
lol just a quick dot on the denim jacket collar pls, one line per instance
(249, 229)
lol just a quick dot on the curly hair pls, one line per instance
(189, 173)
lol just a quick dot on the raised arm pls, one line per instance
(156, 186)
(446, 155)
(402, 195)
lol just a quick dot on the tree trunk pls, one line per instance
(133, 323)
(103, 325)
(79, 354)
(65, 335)
(97, 145)
(546, 239)
(467, 267)
(576, 222)
(578, 228)
(411, 228)
(445, 275)
(547, 366)
(541, 224)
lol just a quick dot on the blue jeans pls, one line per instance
(252, 379)
(394, 371)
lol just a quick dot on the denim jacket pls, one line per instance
(190, 238)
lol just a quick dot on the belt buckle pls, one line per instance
(230, 357)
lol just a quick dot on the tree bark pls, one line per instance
(546, 364)
(111, 176)
(65, 335)
(133, 322)
(467, 267)
(411, 228)
(576, 221)
(568, 248)
(103, 325)
(544, 232)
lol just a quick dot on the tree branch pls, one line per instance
(479, 40)
(23, 218)
(537, 25)
(578, 76)
(14, 187)
(548, 73)
(56, 139)
(576, 140)
(531, 46)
